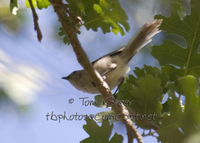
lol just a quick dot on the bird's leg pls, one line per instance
(121, 82)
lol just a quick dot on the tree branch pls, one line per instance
(35, 20)
(82, 58)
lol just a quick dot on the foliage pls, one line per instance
(100, 134)
(178, 76)
(104, 14)
(170, 55)
(182, 122)
(108, 15)
(39, 3)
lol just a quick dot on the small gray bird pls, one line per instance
(114, 66)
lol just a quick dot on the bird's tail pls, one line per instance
(142, 38)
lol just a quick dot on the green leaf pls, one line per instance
(174, 74)
(145, 93)
(116, 139)
(112, 13)
(62, 33)
(165, 108)
(98, 8)
(149, 70)
(187, 27)
(148, 95)
(14, 6)
(181, 123)
(192, 109)
(105, 14)
(189, 84)
(28, 4)
(100, 102)
(100, 134)
(43, 3)
(39, 3)
(169, 129)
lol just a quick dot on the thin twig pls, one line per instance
(82, 58)
(35, 20)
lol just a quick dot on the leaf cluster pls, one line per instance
(108, 15)
(157, 91)
(105, 14)
(100, 134)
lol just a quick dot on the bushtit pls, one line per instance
(114, 66)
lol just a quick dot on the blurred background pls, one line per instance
(30, 72)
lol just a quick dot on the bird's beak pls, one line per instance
(66, 78)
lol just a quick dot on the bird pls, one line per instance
(114, 66)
